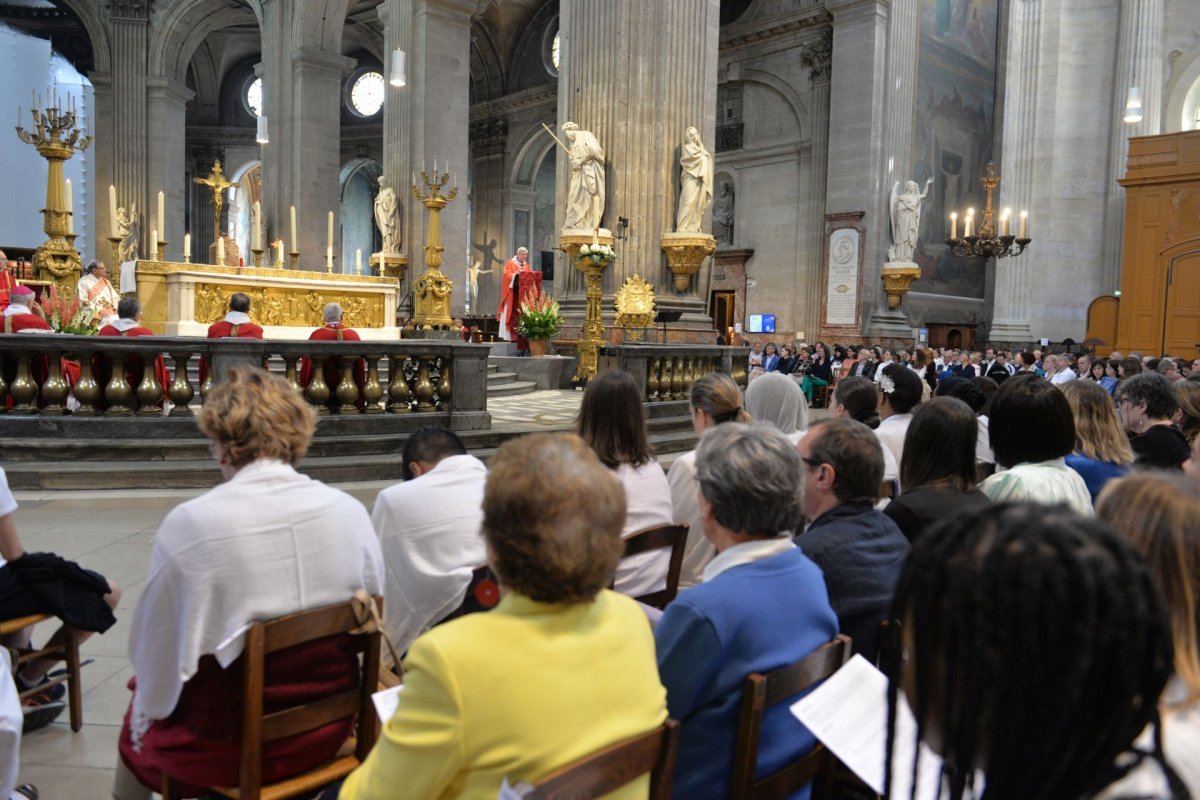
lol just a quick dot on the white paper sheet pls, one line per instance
(386, 701)
(128, 277)
(848, 714)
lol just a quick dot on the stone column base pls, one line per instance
(1010, 330)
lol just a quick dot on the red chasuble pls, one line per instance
(330, 368)
(227, 330)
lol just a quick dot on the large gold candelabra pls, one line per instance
(988, 241)
(56, 137)
(432, 289)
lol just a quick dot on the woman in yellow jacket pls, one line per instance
(561, 668)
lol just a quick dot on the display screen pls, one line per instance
(762, 323)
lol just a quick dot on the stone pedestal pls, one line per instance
(897, 276)
(686, 253)
(390, 265)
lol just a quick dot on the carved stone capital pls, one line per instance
(685, 255)
(488, 137)
(817, 55)
(130, 9)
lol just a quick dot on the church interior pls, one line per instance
(676, 184)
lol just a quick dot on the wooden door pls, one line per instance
(1181, 328)
(723, 310)
(1102, 318)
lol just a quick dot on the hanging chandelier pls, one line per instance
(988, 241)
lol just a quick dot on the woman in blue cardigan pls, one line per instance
(762, 605)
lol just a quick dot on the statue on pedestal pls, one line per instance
(723, 215)
(129, 231)
(387, 219)
(585, 195)
(906, 220)
(695, 183)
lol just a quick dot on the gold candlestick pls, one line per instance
(56, 139)
(162, 250)
(116, 251)
(293, 259)
(258, 256)
(432, 289)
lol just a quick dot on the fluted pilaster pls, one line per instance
(818, 57)
(166, 159)
(637, 74)
(1139, 63)
(1010, 314)
(397, 18)
(129, 26)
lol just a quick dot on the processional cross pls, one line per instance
(217, 182)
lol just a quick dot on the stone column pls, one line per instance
(125, 98)
(817, 57)
(488, 140)
(1140, 62)
(638, 75)
(397, 18)
(166, 160)
(103, 127)
(439, 77)
(856, 168)
(1010, 310)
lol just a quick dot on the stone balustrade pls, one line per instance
(667, 371)
(402, 377)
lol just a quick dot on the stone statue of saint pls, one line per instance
(695, 183)
(129, 231)
(906, 220)
(387, 219)
(585, 195)
(723, 214)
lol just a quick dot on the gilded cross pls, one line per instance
(217, 182)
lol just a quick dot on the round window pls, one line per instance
(367, 93)
(253, 97)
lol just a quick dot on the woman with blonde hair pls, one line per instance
(1187, 416)
(1102, 450)
(1157, 513)
(714, 400)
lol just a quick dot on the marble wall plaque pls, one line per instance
(841, 298)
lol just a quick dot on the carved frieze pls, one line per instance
(130, 9)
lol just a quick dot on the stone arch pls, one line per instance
(527, 66)
(358, 183)
(536, 145)
(487, 73)
(89, 14)
(786, 91)
(1183, 94)
(320, 24)
(179, 28)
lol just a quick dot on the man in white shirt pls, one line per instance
(429, 532)
(1063, 372)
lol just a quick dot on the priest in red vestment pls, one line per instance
(236, 325)
(518, 263)
(7, 281)
(23, 313)
(332, 331)
(129, 317)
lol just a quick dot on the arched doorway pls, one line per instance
(242, 196)
(359, 185)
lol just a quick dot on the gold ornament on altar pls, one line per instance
(635, 306)
(56, 139)
(591, 255)
(281, 307)
(685, 255)
(432, 289)
(218, 183)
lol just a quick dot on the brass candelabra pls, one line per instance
(432, 289)
(56, 137)
(989, 242)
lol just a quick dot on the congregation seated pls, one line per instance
(938, 471)
(857, 398)
(1147, 403)
(778, 400)
(859, 550)
(428, 530)
(1032, 431)
(613, 423)
(1035, 647)
(1157, 513)
(128, 323)
(332, 331)
(1102, 450)
(560, 669)
(267, 542)
(713, 400)
(966, 390)
(762, 605)
(44, 583)
(900, 391)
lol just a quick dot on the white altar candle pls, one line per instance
(187, 245)
(293, 238)
(954, 225)
(112, 210)
(358, 262)
(1024, 229)
(162, 217)
(329, 257)
(154, 243)
(279, 250)
(257, 225)
(220, 250)
(329, 234)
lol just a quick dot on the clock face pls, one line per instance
(254, 97)
(366, 96)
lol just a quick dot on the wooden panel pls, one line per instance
(1102, 322)
(1182, 337)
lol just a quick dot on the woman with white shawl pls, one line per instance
(777, 399)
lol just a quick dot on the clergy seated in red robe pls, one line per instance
(7, 281)
(236, 325)
(331, 369)
(24, 315)
(129, 313)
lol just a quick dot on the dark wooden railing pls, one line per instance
(401, 377)
(667, 371)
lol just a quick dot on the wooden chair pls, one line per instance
(672, 536)
(822, 395)
(760, 692)
(260, 729)
(67, 650)
(614, 766)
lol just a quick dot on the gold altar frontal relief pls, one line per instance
(184, 299)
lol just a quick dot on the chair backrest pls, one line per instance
(888, 489)
(672, 536)
(762, 691)
(616, 765)
(264, 638)
(483, 594)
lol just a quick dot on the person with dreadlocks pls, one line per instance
(1035, 647)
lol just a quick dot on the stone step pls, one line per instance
(493, 367)
(511, 388)
(498, 378)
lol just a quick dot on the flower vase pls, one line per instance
(537, 347)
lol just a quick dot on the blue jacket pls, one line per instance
(860, 551)
(1095, 473)
(752, 618)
